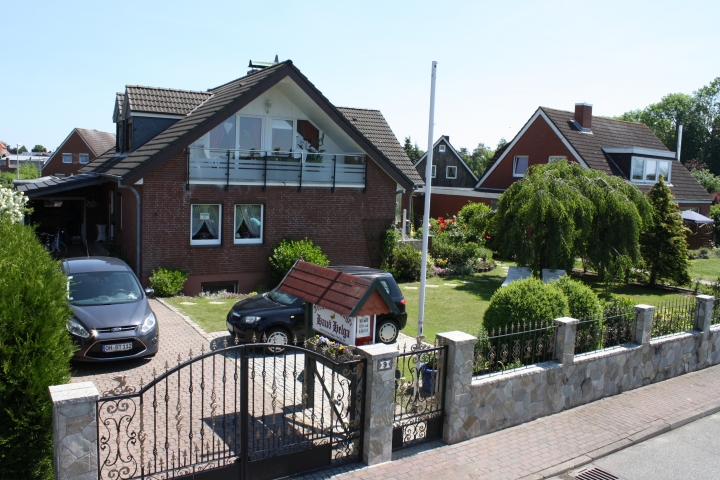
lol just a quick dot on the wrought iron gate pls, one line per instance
(419, 395)
(236, 412)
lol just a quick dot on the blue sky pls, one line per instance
(497, 61)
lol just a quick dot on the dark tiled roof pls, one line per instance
(99, 142)
(162, 100)
(120, 99)
(51, 185)
(375, 128)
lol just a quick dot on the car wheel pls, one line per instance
(277, 336)
(387, 331)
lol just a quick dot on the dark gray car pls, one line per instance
(112, 319)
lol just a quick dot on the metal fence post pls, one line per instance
(703, 313)
(458, 380)
(643, 323)
(565, 340)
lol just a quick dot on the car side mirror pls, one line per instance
(149, 292)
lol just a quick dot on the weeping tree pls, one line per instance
(664, 241)
(562, 211)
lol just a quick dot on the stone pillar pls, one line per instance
(703, 313)
(458, 379)
(565, 340)
(379, 402)
(75, 431)
(643, 323)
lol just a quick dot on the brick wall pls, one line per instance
(344, 224)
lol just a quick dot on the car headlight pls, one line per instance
(148, 324)
(76, 328)
(250, 319)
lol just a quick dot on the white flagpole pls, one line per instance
(426, 214)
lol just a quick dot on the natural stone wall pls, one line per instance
(505, 400)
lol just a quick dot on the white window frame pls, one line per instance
(556, 158)
(515, 162)
(67, 155)
(249, 241)
(217, 241)
(86, 156)
(269, 132)
(447, 172)
(644, 171)
(433, 174)
(441, 149)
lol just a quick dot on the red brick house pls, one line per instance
(79, 148)
(626, 149)
(210, 181)
(453, 182)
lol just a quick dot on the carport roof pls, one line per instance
(51, 185)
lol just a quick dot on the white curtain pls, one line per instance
(251, 216)
(212, 223)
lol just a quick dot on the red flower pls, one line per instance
(464, 227)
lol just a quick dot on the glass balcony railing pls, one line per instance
(252, 167)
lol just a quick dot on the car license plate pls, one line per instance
(117, 347)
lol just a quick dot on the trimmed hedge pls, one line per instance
(168, 282)
(582, 301)
(35, 351)
(529, 300)
(286, 253)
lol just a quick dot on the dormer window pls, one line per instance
(648, 170)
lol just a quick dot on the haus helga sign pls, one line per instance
(348, 330)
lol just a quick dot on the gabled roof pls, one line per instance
(119, 102)
(445, 139)
(368, 129)
(99, 142)
(340, 292)
(168, 101)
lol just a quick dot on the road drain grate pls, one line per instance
(593, 473)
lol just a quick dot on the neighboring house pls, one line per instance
(626, 149)
(79, 148)
(4, 152)
(210, 181)
(9, 163)
(453, 182)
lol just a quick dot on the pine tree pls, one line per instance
(663, 242)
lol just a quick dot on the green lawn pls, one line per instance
(705, 269)
(209, 313)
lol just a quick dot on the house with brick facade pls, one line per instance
(79, 148)
(210, 181)
(453, 182)
(626, 149)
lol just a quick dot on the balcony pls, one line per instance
(263, 168)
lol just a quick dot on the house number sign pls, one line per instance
(385, 364)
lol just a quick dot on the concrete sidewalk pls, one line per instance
(552, 445)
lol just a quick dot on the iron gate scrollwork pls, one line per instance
(419, 394)
(237, 411)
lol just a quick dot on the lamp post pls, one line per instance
(17, 162)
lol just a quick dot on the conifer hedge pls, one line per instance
(35, 351)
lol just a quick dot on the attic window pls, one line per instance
(441, 149)
(520, 165)
(451, 172)
(648, 170)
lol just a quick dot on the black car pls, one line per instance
(112, 319)
(281, 317)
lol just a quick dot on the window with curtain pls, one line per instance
(205, 224)
(282, 135)
(250, 133)
(222, 137)
(248, 224)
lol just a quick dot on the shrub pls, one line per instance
(168, 282)
(529, 300)
(13, 205)
(404, 263)
(477, 217)
(35, 351)
(286, 253)
(582, 301)
(388, 241)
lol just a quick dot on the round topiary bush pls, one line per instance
(529, 300)
(582, 301)
(286, 253)
(168, 282)
(35, 351)
(404, 263)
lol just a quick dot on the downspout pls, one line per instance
(138, 202)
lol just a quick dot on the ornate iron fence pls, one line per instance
(419, 394)
(238, 411)
(613, 330)
(674, 317)
(520, 345)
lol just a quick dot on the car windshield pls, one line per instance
(280, 297)
(103, 288)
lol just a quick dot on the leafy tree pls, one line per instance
(23, 149)
(479, 159)
(39, 149)
(501, 143)
(28, 171)
(715, 215)
(412, 150)
(664, 240)
(710, 182)
(562, 211)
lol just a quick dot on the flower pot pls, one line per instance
(429, 379)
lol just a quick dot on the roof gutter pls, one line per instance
(138, 216)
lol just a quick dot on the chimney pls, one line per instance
(583, 115)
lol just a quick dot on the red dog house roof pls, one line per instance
(340, 292)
